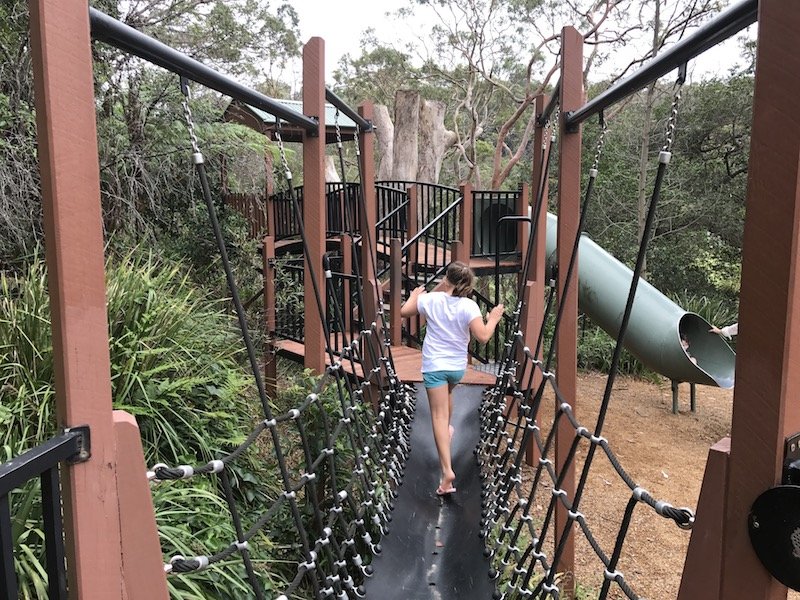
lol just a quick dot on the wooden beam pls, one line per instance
(141, 551)
(314, 204)
(396, 291)
(569, 196)
(67, 146)
(270, 314)
(702, 568)
(465, 223)
(766, 408)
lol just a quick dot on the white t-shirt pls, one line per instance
(447, 332)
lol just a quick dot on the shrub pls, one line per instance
(174, 365)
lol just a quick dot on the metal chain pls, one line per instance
(673, 116)
(338, 129)
(601, 140)
(355, 138)
(187, 114)
(282, 150)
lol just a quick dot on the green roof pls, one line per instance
(345, 122)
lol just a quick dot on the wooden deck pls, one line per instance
(407, 364)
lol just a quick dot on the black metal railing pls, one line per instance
(492, 350)
(289, 299)
(285, 225)
(342, 205)
(41, 462)
(488, 208)
(432, 199)
(425, 257)
(344, 212)
(345, 288)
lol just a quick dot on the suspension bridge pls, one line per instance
(360, 496)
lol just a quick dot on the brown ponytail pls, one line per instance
(460, 276)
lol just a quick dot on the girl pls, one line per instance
(451, 317)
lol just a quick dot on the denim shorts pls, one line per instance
(438, 378)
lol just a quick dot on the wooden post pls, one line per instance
(413, 229)
(396, 291)
(369, 214)
(465, 220)
(67, 146)
(347, 269)
(270, 313)
(314, 201)
(702, 568)
(67, 142)
(766, 408)
(142, 564)
(569, 197)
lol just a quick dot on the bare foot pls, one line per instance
(446, 484)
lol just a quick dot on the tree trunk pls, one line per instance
(406, 135)
(434, 140)
(384, 137)
(331, 174)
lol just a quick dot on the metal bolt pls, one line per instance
(755, 524)
(793, 446)
(84, 455)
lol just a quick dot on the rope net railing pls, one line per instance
(338, 455)
(519, 518)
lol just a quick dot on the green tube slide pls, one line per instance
(656, 324)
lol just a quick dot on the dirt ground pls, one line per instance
(662, 452)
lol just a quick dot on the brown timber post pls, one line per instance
(569, 178)
(347, 269)
(396, 290)
(369, 218)
(372, 291)
(532, 317)
(270, 315)
(465, 217)
(95, 532)
(314, 201)
(269, 191)
(414, 323)
(765, 406)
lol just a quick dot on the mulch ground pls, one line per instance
(662, 452)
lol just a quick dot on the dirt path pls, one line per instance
(662, 452)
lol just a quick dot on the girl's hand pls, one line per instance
(497, 312)
(418, 290)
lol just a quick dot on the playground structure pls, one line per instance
(721, 562)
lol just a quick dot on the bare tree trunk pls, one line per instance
(406, 135)
(434, 140)
(384, 136)
(331, 174)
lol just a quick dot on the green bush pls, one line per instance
(174, 365)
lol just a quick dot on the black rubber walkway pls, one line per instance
(433, 550)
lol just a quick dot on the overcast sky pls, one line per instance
(342, 22)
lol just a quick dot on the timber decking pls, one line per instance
(407, 364)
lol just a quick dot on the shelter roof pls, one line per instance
(265, 123)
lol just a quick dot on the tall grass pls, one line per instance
(175, 366)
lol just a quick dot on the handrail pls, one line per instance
(395, 210)
(725, 25)
(363, 124)
(424, 230)
(108, 29)
(16, 472)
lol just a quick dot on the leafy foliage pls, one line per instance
(174, 365)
